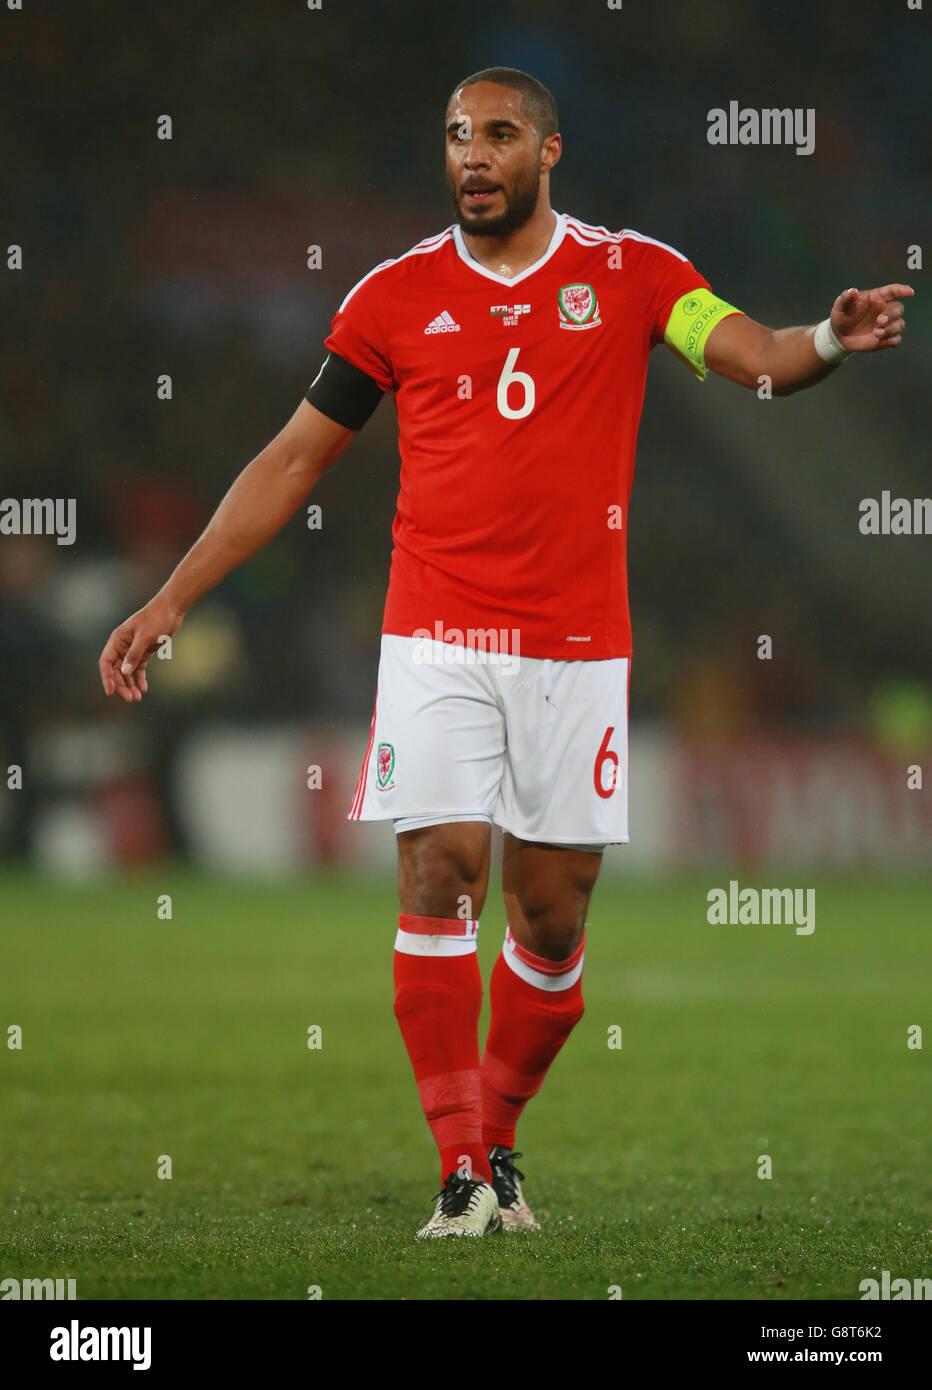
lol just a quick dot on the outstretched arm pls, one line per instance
(861, 321)
(264, 496)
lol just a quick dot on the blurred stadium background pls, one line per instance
(144, 1036)
(188, 257)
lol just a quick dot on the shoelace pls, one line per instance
(505, 1174)
(458, 1195)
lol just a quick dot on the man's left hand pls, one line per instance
(863, 320)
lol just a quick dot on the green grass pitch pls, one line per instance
(295, 1167)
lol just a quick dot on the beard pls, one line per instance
(519, 207)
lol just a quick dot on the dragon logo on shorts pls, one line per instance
(385, 765)
(578, 307)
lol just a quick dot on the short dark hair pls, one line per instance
(536, 102)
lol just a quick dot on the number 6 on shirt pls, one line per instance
(523, 380)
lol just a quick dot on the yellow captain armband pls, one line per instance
(691, 320)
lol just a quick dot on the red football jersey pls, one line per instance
(518, 403)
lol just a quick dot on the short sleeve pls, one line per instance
(670, 275)
(356, 332)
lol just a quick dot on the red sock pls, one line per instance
(535, 1005)
(438, 994)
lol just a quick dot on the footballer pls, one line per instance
(515, 345)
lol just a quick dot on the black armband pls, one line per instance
(344, 393)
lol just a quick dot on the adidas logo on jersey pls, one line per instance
(443, 323)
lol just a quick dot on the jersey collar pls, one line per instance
(559, 232)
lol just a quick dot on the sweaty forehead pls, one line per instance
(486, 101)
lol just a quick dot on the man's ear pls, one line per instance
(551, 151)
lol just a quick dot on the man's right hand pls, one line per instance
(123, 660)
(264, 496)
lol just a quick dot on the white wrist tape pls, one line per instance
(827, 345)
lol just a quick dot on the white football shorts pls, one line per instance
(538, 747)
